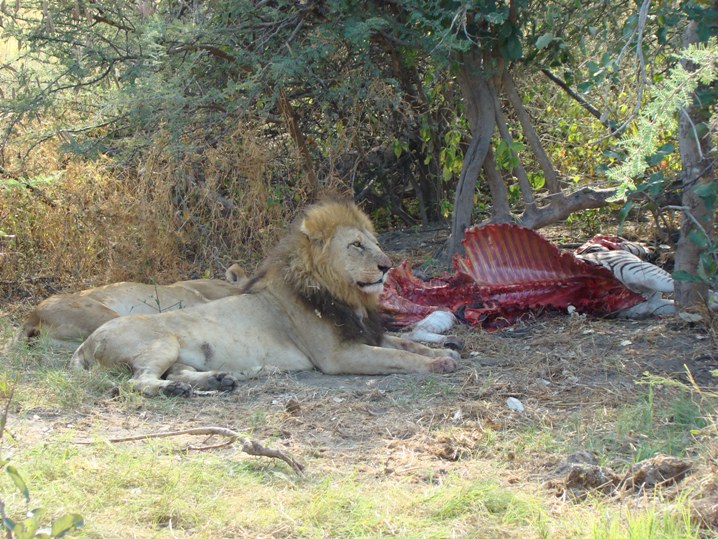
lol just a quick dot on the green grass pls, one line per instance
(653, 522)
(145, 489)
(667, 417)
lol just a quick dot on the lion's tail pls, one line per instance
(83, 358)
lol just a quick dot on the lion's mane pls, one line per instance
(302, 262)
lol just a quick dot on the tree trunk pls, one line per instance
(526, 190)
(698, 173)
(552, 183)
(479, 108)
(500, 211)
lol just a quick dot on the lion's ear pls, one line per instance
(235, 273)
(314, 233)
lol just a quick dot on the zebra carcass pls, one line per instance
(509, 272)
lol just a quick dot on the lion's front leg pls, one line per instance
(400, 343)
(366, 359)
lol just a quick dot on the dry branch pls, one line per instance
(249, 446)
(290, 116)
(580, 100)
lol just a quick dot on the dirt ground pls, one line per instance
(563, 370)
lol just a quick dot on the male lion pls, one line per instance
(312, 304)
(71, 318)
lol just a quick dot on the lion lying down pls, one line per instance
(71, 318)
(312, 304)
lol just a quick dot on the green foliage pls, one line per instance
(29, 527)
(121, 79)
(365, 92)
(589, 222)
(451, 156)
(507, 156)
(642, 147)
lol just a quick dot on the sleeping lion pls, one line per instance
(311, 305)
(69, 319)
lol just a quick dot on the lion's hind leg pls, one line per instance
(206, 380)
(148, 369)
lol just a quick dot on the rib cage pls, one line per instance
(508, 271)
(509, 254)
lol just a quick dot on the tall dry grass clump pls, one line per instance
(168, 217)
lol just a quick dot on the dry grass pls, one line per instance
(163, 219)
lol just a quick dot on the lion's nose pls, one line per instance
(383, 262)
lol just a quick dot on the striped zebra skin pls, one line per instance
(635, 274)
(602, 242)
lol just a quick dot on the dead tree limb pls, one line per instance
(583, 199)
(576, 97)
(248, 445)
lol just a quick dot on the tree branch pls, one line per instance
(582, 199)
(110, 22)
(249, 446)
(211, 49)
(580, 100)
(641, 73)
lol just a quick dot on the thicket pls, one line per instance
(158, 138)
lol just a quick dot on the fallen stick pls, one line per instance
(249, 446)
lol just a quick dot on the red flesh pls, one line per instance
(508, 271)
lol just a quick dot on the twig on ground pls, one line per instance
(249, 446)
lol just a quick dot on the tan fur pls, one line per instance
(71, 318)
(312, 304)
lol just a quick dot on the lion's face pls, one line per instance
(337, 252)
(356, 257)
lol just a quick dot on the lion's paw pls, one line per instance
(176, 389)
(453, 354)
(443, 364)
(222, 381)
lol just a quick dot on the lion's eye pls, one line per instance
(358, 245)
